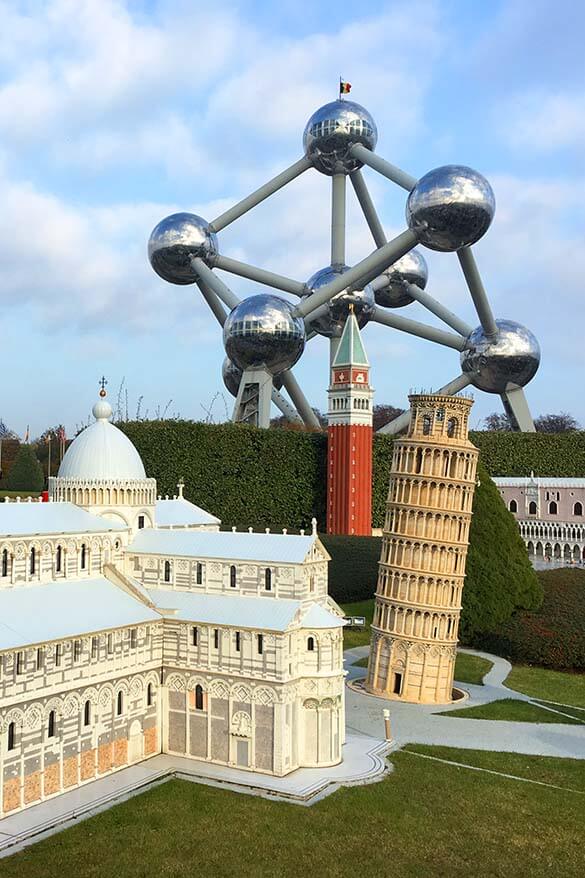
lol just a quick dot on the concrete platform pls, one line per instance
(363, 762)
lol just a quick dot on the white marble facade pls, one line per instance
(131, 625)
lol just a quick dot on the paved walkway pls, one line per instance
(420, 724)
(363, 762)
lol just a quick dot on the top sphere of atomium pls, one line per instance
(409, 269)
(450, 207)
(332, 322)
(175, 241)
(263, 333)
(330, 133)
(494, 364)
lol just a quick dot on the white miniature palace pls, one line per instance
(131, 626)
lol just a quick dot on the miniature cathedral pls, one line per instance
(424, 549)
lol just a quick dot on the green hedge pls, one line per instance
(277, 478)
(517, 454)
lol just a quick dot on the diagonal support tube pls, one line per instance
(221, 290)
(477, 290)
(353, 277)
(421, 330)
(396, 175)
(400, 424)
(260, 194)
(368, 209)
(439, 310)
(338, 188)
(516, 408)
(260, 275)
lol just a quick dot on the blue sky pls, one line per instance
(114, 114)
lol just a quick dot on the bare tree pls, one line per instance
(497, 421)
(383, 413)
(561, 423)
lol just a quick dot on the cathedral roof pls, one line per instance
(181, 513)
(350, 351)
(28, 519)
(271, 548)
(101, 452)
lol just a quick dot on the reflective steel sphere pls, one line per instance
(513, 357)
(232, 375)
(175, 241)
(410, 269)
(263, 332)
(331, 324)
(331, 131)
(450, 207)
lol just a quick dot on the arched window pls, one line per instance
(120, 704)
(418, 461)
(83, 556)
(577, 510)
(11, 737)
(427, 425)
(198, 697)
(194, 636)
(5, 562)
(232, 576)
(513, 506)
(452, 427)
(51, 725)
(268, 579)
(58, 559)
(552, 508)
(87, 713)
(199, 573)
(311, 644)
(167, 571)
(238, 641)
(532, 508)
(33, 560)
(149, 698)
(140, 522)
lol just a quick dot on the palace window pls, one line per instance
(11, 737)
(5, 562)
(268, 579)
(260, 644)
(83, 556)
(311, 644)
(51, 725)
(58, 559)
(149, 697)
(33, 560)
(120, 704)
(532, 508)
(194, 636)
(232, 576)
(513, 506)
(87, 713)
(552, 508)
(198, 697)
(199, 573)
(578, 509)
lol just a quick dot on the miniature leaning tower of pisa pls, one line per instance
(424, 549)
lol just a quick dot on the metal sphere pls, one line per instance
(410, 269)
(263, 332)
(232, 375)
(511, 358)
(331, 324)
(175, 241)
(332, 130)
(450, 207)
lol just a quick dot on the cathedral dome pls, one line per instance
(101, 452)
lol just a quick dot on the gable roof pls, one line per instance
(179, 512)
(27, 519)
(350, 351)
(267, 613)
(269, 548)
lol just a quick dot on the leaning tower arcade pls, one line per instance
(424, 549)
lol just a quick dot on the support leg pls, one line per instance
(516, 408)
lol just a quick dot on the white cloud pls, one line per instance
(538, 122)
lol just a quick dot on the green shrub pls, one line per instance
(25, 473)
(517, 454)
(353, 571)
(551, 636)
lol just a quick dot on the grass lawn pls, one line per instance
(358, 638)
(560, 686)
(426, 819)
(471, 668)
(513, 711)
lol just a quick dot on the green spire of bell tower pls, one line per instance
(351, 351)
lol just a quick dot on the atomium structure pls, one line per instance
(448, 210)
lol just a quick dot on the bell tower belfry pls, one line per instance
(349, 437)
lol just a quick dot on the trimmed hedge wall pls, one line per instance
(277, 478)
(516, 454)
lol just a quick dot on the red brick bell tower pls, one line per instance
(349, 437)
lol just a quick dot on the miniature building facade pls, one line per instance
(424, 548)
(131, 626)
(349, 437)
(550, 513)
